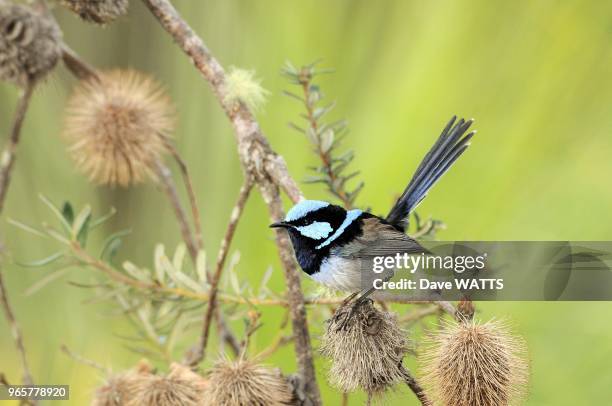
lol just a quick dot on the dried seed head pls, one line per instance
(242, 86)
(117, 127)
(30, 44)
(241, 382)
(181, 387)
(121, 388)
(116, 391)
(367, 352)
(98, 11)
(475, 364)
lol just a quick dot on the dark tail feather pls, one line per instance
(438, 160)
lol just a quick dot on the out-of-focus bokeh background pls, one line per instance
(535, 75)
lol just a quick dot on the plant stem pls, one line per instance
(16, 332)
(195, 211)
(412, 383)
(77, 66)
(169, 187)
(219, 266)
(7, 160)
(325, 157)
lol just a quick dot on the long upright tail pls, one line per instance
(438, 160)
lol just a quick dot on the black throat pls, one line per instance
(310, 257)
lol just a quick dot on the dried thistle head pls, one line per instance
(30, 44)
(475, 364)
(180, 387)
(367, 351)
(242, 382)
(117, 125)
(98, 11)
(119, 389)
(242, 86)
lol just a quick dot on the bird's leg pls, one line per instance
(363, 299)
(348, 299)
(345, 302)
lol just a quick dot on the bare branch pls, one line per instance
(7, 160)
(76, 65)
(167, 183)
(16, 332)
(412, 383)
(80, 359)
(219, 266)
(195, 211)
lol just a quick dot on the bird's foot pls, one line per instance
(354, 307)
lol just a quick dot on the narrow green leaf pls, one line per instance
(27, 228)
(201, 267)
(56, 211)
(327, 140)
(294, 96)
(321, 111)
(42, 262)
(315, 179)
(95, 223)
(312, 135)
(112, 244)
(297, 128)
(45, 281)
(67, 212)
(179, 256)
(135, 272)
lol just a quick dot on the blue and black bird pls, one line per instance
(331, 243)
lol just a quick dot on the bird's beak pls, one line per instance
(280, 224)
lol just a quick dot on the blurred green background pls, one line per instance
(535, 75)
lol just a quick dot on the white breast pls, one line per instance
(340, 274)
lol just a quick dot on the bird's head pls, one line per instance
(311, 222)
(315, 225)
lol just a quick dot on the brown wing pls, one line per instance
(380, 239)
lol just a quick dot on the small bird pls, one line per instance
(331, 243)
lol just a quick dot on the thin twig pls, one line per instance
(7, 160)
(165, 177)
(278, 343)
(16, 332)
(325, 156)
(79, 68)
(345, 399)
(80, 359)
(412, 383)
(195, 211)
(243, 196)
(419, 314)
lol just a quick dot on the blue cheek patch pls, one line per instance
(303, 208)
(351, 216)
(317, 230)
